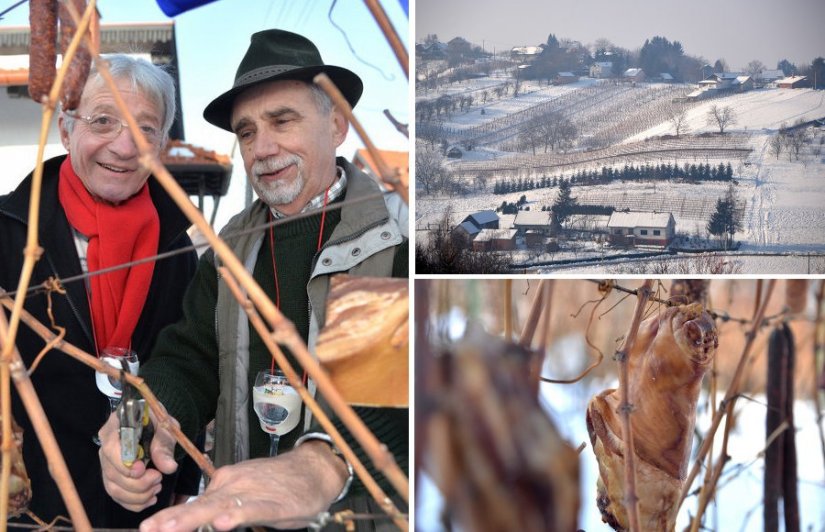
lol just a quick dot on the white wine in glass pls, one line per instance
(277, 404)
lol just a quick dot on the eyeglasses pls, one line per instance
(108, 127)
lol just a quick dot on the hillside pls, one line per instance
(781, 199)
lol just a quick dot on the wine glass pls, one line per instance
(109, 386)
(277, 404)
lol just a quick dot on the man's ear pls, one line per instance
(340, 126)
(64, 133)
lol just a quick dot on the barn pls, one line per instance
(639, 228)
(495, 240)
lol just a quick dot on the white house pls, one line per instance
(601, 69)
(635, 228)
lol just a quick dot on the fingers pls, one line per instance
(162, 450)
(222, 512)
(135, 487)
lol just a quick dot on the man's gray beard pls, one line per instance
(279, 192)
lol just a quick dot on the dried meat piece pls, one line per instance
(42, 54)
(665, 367)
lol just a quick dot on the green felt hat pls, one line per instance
(275, 55)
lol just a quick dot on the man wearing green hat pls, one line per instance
(204, 366)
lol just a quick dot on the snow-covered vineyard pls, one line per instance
(484, 135)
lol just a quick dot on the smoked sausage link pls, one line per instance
(42, 55)
(81, 62)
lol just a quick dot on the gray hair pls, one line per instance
(322, 99)
(150, 80)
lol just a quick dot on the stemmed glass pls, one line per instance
(277, 404)
(110, 387)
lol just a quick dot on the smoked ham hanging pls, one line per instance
(666, 364)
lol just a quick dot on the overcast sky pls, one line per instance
(736, 30)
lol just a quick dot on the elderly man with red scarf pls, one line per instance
(98, 210)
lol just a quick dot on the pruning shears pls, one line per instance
(136, 429)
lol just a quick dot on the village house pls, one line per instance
(535, 224)
(638, 228)
(495, 240)
(793, 82)
(470, 227)
(563, 78)
(601, 69)
(633, 75)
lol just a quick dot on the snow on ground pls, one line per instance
(783, 200)
(758, 109)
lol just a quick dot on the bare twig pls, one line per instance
(730, 396)
(57, 465)
(99, 366)
(8, 354)
(389, 34)
(390, 176)
(296, 381)
(507, 298)
(625, 409)
(529, 331)
(819, 353)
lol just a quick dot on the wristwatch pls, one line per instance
(336, 451)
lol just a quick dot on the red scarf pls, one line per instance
(117, 234)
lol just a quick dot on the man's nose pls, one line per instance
(124, 144)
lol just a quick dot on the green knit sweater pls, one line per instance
(183, 370)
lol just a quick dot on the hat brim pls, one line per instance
(219, 111)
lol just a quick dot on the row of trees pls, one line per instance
(552, 130)
(658, 172)
(789, 140)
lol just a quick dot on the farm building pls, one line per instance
(742, 84)
(562, 78)
(634, 228)
(793, 82)
(601, 69)
(634, 75)
(532, 221)
(666, 77)
(770, 76)
(466, 230)
(495, 240)
(483, 219)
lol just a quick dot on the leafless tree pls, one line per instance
(755, 69)
(721, 117)
(429, 168)
(776, 143)
(796, 139)
(678, 118)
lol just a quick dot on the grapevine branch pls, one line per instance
(626, 409)
(730, 396)
(379, 455)
(9, 356)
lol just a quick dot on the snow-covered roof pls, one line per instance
(741, 79)
(469, 227)
(482, 217)
(526, 50)
(632, 72)
(666, 76)
(495, 234)
(639, 219)
(532, 218)
(791, 79)
(566, 75)
(727, 75)
(772, 74)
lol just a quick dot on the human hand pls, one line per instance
(135, 487)
(287, 491)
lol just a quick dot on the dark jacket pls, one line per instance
(66, 388)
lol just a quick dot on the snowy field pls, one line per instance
(783, 200)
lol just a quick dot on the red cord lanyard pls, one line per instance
(275, 267)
